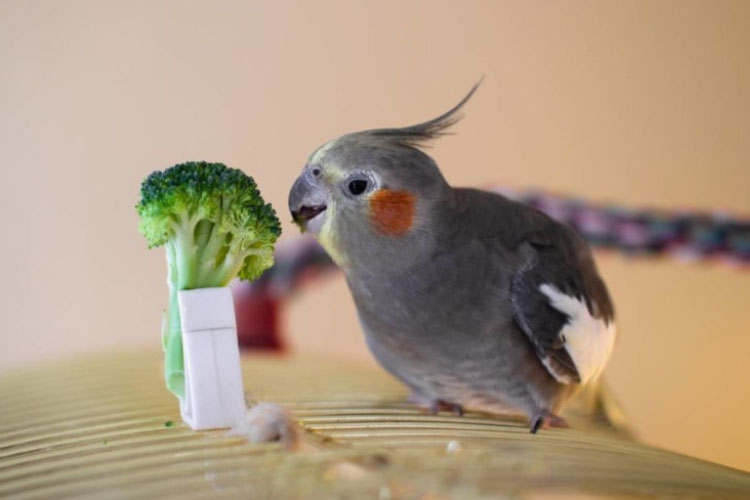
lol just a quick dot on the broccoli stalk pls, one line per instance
(215, 226)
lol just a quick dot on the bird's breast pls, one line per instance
(456, 294)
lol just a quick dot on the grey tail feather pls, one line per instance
(596, 406)
(417, 135)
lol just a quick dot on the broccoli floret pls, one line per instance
(215, 227)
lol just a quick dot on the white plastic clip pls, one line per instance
(214, 393)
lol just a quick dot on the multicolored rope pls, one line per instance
(685, 235)
(689, 236)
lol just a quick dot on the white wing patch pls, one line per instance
(588, 340)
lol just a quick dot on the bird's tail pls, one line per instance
(595, 406)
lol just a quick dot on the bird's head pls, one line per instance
(371, 195)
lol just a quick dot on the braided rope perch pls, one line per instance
(687, 236)
(684, 235)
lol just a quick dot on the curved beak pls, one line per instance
(308, 201)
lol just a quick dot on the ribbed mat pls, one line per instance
(107, 428)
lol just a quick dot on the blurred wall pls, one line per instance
(639, 102)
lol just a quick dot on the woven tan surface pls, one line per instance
(101, 428)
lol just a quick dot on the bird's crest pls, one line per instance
(418, 135)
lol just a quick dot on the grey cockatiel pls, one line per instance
(469, 298)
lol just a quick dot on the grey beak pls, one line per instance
(307, 198)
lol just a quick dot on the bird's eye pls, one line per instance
(316, 172)
(357, 187)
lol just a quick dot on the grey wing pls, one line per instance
(561, 304)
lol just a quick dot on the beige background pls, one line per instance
(638, 102)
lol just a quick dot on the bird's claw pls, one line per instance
(440, 405)
(545, 419)
(434, 406)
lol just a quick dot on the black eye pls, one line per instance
(316, 171)
(357, 187)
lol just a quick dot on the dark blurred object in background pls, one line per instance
(259, 305)
(257, 312)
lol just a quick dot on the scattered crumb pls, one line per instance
(385, 493)
(169, 423)
(266, 422)
(345, 470)
(105, 442)
(453, 446)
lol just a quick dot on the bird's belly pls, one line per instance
(474, 379)
(418, 368)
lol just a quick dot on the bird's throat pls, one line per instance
(327, 239)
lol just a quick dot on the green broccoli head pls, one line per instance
(214, 221)
(215, 227)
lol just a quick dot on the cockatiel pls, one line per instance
(471, 299)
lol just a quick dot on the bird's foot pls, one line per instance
(545, 419)
(434, 406)
(439, 405)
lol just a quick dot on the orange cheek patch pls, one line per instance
(392, 212)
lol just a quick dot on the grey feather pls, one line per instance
(448, 325)
(418, 135)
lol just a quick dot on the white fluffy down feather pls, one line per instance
(265, 422)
